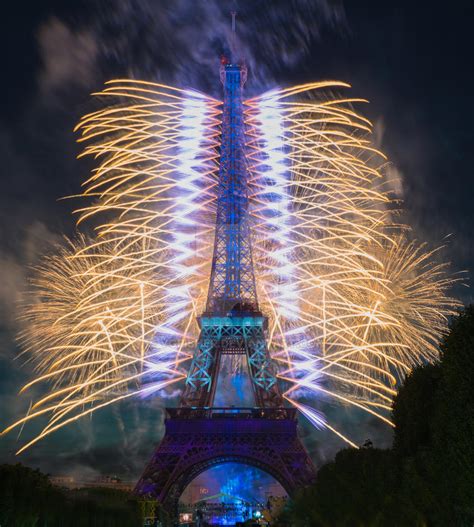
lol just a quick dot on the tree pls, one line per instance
(413, 410)
(413, 414)
(360, 488)
(27, 499)
(453, 423)
(433, 415)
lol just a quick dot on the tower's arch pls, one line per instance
(191, 472)
(265, 439)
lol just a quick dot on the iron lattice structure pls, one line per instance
(237, 334)
(196, 440)
(197, 435)
(232, 276)
(232, 322)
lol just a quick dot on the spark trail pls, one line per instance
(353, 303)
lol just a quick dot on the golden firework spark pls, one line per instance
(353, 304)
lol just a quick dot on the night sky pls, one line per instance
(412, 60)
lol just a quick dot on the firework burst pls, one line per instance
(353, 304)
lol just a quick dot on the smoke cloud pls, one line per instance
(181, 43)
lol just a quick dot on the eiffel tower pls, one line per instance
(199, 435)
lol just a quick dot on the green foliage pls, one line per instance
(453, 424)
(359, 488)
(413, 410)
(434, 435)
(27, 499)
(427, 478)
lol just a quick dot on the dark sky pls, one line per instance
(412, 60)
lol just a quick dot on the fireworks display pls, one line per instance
(353, 303)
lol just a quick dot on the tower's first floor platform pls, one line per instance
(197, 439)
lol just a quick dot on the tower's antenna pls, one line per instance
(232, 42)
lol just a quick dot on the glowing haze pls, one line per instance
(353, 303)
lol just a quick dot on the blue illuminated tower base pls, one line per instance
(198, 435)
(196, 440)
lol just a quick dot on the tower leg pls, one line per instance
(201, 380)
(262, 371)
